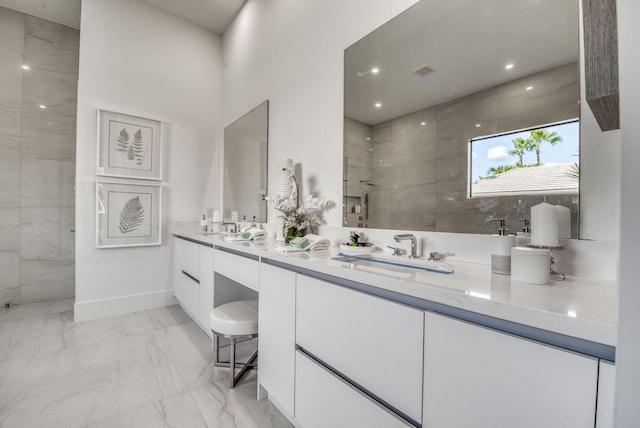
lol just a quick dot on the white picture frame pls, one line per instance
(129, 146)
(128, 215)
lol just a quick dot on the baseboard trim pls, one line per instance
(101, 308)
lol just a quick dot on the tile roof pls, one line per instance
(553, 178)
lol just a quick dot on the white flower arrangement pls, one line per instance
(298, 216)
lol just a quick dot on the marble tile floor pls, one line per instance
(146, 369)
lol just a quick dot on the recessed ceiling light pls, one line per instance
(25, 66)
(49, 123)
(380, 160)
(368, 138)
(423, 123)
(477, 125)
(375, 70)
(508, 66)
(370, 150)
(43, 106)
(378, 105)
(529, 88)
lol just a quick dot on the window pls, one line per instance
(540, 160)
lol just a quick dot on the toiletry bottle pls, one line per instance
(203, 223)
(501, 244)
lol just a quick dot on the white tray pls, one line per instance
(348, 249)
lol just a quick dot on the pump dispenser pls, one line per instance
(501, 244)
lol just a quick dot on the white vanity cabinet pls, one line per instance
(193, 279)
(606, 390)
(478, 377)
(276, 330)
(375, 343)
(324, 400)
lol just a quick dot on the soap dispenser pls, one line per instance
(501, 244)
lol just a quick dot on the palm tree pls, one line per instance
(495, 170)
(540, 136)
(520, 145)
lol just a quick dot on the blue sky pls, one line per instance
(494, 151)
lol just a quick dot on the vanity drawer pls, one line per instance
(324, 400)
(376, 343)
(187, 257)
(241, 269)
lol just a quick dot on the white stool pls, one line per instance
(235, 320)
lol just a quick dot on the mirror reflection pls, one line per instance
(433, 82)
(245, 166)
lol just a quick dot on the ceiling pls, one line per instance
(466, 42)
(214, 15)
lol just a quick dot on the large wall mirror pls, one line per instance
(462, 111)
(245, 165)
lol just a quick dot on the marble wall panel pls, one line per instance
(380, 209)
(46, 280)
(47, 183)
(12, 27)
(50, 46)
(45, 234)
(37, 155)
(59, 146)
(57, 92)
(458, 120)
(554, 97)
(9, 171)
(412, 140)
(414, 173)
(9, 277)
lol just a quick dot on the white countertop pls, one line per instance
(578, 307)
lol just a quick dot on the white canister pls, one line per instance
(501, 253)
(530, 265)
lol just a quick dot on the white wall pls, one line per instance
(138, 60)
(628, 350)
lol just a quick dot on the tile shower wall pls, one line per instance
(419, 171)
(357, 169)
(37, 157)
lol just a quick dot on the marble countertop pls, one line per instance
(578, 307)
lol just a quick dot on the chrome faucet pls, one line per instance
(233, 226)
(414, 243)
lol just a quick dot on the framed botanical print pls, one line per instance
(127, 215)
(129, 146)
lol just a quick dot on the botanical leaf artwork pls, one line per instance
(132, 151)
(138, 148)
(131, 216)
(122, 141)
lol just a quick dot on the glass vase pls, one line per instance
(293, 232)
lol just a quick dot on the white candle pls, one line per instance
(564, 222)
(544, 225)
(217, 217)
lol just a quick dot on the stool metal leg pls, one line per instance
(232, 357)
(232, 362)
(216, 348)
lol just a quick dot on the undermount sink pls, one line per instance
(426, 265)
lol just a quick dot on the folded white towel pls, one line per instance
(316, 243)
(252, 233)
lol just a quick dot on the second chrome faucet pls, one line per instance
(414, 243)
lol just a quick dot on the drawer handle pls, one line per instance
(191, 277)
